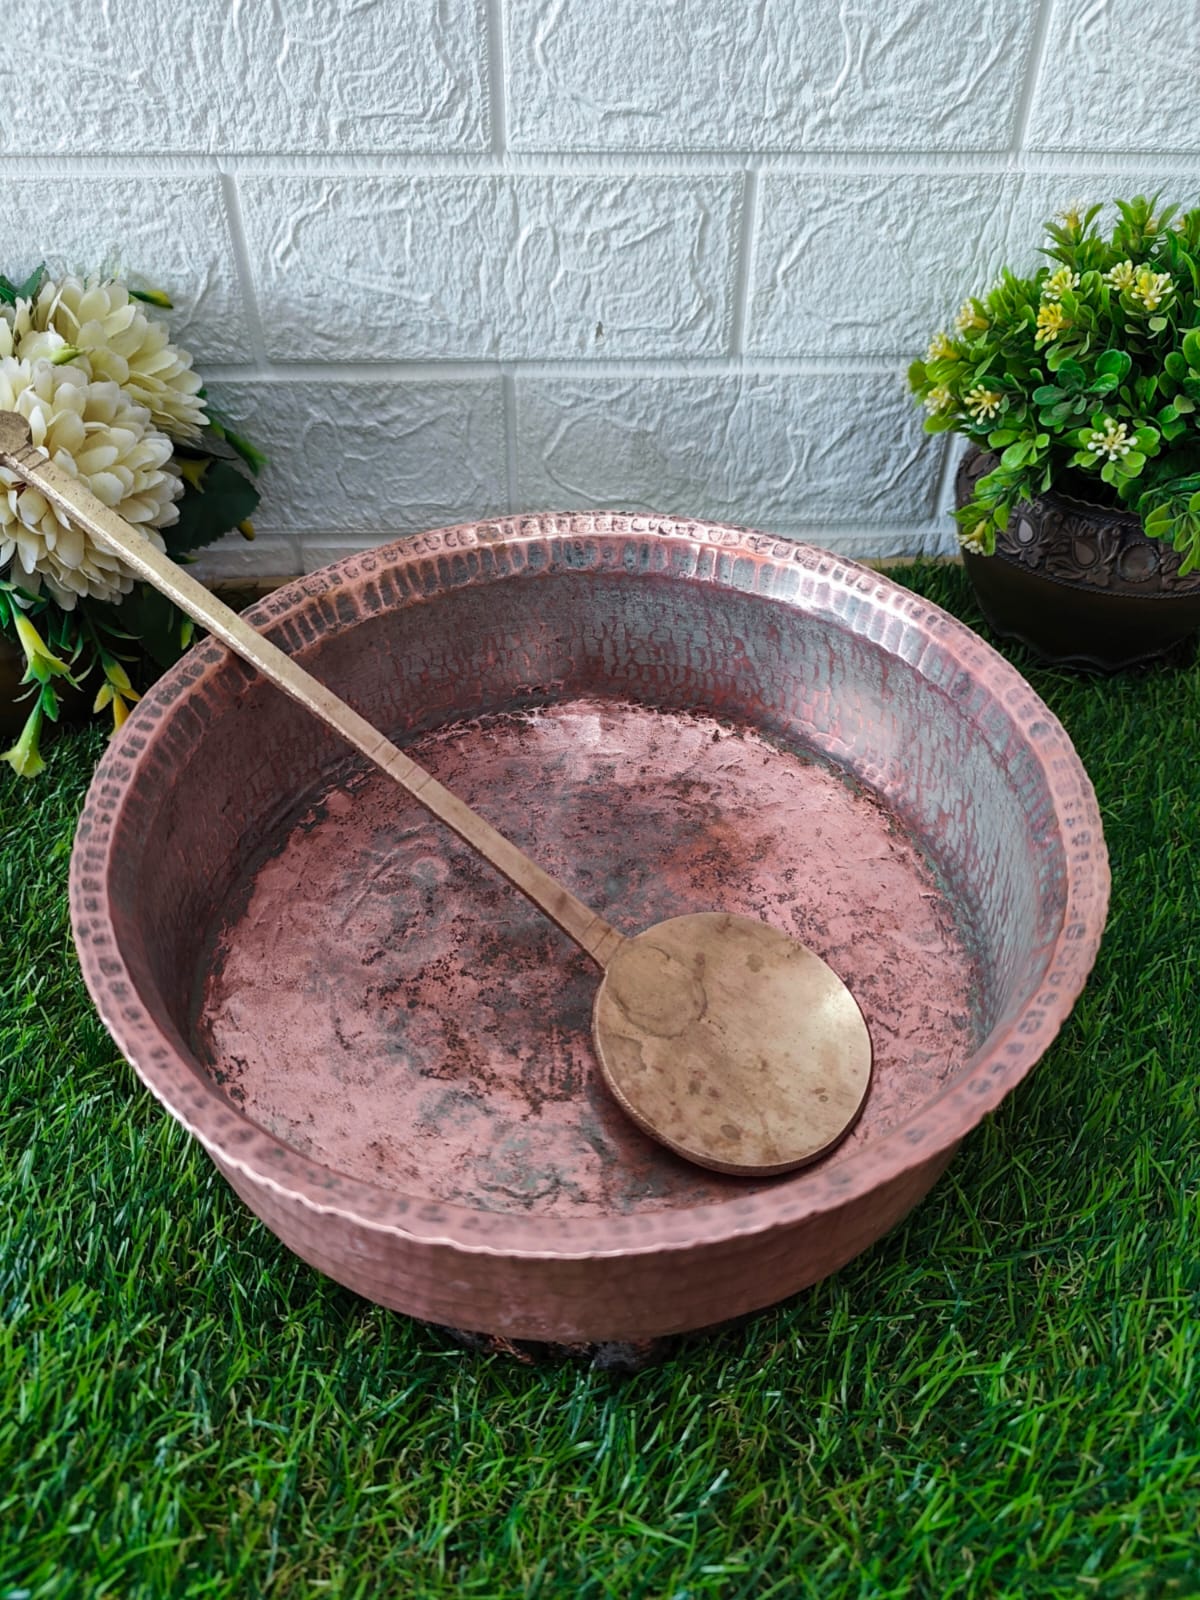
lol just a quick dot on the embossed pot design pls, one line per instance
(656, 613)
(1080, 584)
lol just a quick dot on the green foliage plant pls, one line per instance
(111, 648)
(1084, 377)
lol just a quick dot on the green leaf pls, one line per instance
(1072, 375)
(1157, 522)
(219, 424)
(1175, 365)
(1129, 466)
(154, 621)
(1106, 384)
(1058, 414)
(1191, 349)
(1048, 395)
(227, 498)
(1183, 405)
(1017, 454)
(1113, 364)
(1157, 324)
(12, 292)
(1002, 437)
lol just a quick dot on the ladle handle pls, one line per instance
(67, 495)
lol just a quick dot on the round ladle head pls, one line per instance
(731, 1043)
(722, 1038)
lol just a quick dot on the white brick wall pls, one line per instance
(449, 258)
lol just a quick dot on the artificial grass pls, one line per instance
(1001, 1398)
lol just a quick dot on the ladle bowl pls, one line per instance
(388, 1053)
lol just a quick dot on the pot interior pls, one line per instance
(679, 733)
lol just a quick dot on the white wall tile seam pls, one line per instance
(1077, 160)
(742, 261)
(737, 286)
(460, 370)
(1033, 76)
(496, 48)
(510, 401)
(245, 273)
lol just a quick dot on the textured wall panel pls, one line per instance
(174, 237)
(930, 243)
(493, 266)
(1121, 75)
(776, 452)
(364, 458)
(633, 225)
(711, 75)
(320, 75)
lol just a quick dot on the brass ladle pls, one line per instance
(727, 1041)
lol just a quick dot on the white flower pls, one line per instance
(1151, 288)
(981, 402)
(92, 431)
(974, 539)
(1071, 215)
(119, 343)
(939, 398)
(1051, 320)
(1054, 285)
(1122, 275)
(940, 348)
(1112, 441)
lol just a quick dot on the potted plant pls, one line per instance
(109, 397)
(1079, 389)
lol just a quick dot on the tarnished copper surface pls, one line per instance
(381, 1000)
(240, 893)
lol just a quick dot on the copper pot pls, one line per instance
(390, 1063)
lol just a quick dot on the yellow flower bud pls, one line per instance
(25, 758)
(37, 651)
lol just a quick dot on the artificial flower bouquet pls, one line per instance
(109, 398)
(1084, 377)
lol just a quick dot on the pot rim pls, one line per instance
(819, 584)
(1073, 502)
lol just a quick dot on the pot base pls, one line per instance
(1073, 626)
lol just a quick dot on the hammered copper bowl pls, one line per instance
(287, 1007)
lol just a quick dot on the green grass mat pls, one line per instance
(1001, 1398)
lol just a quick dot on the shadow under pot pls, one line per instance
(1081, 585)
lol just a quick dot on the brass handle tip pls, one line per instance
(14, 433)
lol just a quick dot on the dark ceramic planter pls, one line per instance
(1080, 585)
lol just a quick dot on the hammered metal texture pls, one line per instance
(650, 611)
